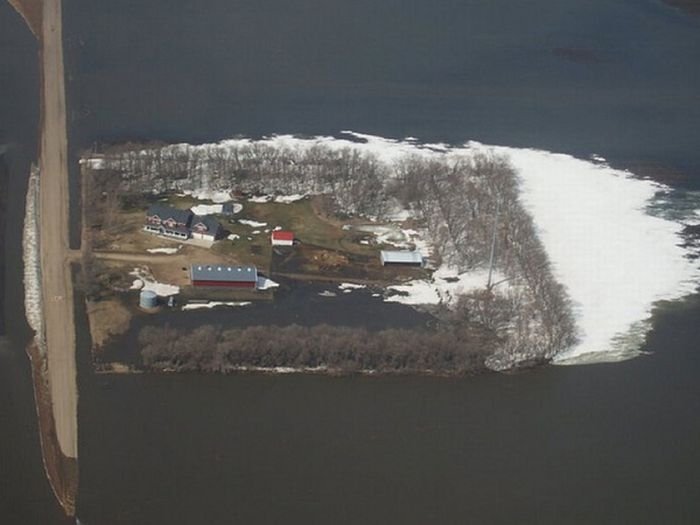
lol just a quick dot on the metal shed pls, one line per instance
(401, 257)
(224, 276)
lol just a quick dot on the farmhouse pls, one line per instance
(224, 276)
(401, 258)
(282, 238)
(180, 224)
(205, 227)
(168, 221)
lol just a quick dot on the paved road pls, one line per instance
(53, 223)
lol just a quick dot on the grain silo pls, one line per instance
(148, 299)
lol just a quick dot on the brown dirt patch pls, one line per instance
(107, 319)
(31, 11)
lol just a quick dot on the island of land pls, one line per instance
(446, 236)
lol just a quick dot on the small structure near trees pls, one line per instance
(401, 258)
(282, 238)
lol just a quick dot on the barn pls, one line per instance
(214, 275)
(401, 258)
(282, 238)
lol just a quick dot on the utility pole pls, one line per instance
(493, 244)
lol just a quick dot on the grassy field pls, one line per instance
(326, 247)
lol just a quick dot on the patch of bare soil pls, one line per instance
(31, 11)
(107, 318)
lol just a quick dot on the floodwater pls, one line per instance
(612, 443)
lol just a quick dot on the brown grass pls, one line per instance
(107, 319)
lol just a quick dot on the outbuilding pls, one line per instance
(401, 258)
(224, 276)
(282, 238)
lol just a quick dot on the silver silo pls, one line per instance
(148, 299)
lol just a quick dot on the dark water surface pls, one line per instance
(598, 444)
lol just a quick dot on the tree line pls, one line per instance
(333, 349)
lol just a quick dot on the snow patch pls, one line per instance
(252, 224)
(349, 287)
(149, 283)
(260, 199)
(214, 304)
(265, 283)
(167, 251)
(288, 199)
(207, 209)
(216, 196)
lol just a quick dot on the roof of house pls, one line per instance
(215, 272)
(210, 222)
(402, 256)
(164, 212)
(281, 235)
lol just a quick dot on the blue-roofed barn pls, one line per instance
(221, 275)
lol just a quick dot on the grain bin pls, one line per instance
(148, 299)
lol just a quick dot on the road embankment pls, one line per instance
(52, 354)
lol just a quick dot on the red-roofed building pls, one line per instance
(282, 238)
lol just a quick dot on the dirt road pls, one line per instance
(53, 224)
